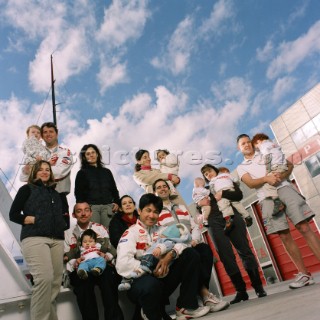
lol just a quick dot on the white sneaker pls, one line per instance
(301, 280)
(215, 303)
(184, 314)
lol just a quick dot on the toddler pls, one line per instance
(199, 192)
(174, 237)
(219, 180)
(169, 163)
(275, 161)
(89, 249)
(32, 147)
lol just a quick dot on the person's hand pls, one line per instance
(204, 202)
(156, 252)
(115, 207)
(175, 179)
(162, 268)
(26, 169)
(194, 243)
(29, 220)
(53, 160)
(273, 178)
(218, 195)
(78, 261)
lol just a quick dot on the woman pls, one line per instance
(42, 236)
(236, 237)
(95, 185)
(145, 176)
(123, 219)
(151, 291)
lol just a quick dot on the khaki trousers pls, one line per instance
(44, 257)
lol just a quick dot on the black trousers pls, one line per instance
(152, 293)
(86, 299)
(206, 263)
(237, 237)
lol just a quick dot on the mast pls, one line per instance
(53, 95)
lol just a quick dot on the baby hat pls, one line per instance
(171, 232)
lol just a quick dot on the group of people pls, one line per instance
(150, 250)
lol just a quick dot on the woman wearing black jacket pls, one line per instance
(38, 208)
(95, 185)
(236, 237)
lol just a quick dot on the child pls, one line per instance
(219, 180)
(32, 146)
(275, 161)
(199, 192)
(89, 249)
(169, 163)
(176, 237)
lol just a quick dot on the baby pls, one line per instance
(275, 161)
(219, 180)
(32, 147)
(89, 249)
(169, 163)
(174, 237)
(199, 192)
(88, 246)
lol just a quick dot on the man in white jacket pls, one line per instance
(151, 292)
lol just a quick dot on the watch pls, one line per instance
(174, 254)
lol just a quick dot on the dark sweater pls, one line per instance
(96, 185)
(44, 203)
(117, 227)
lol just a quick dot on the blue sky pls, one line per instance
(187, 75)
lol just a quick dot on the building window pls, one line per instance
(316, 121)
(313, 165)
(304, 133)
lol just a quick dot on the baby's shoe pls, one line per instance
(82, 274)
(96, 271)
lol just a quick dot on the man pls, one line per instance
(151, 291)
(61, 161)
(107, 281)
(252, 171)
(171, 214)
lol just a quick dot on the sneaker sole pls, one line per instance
(219, 307)
(308, 283)
(187, 316)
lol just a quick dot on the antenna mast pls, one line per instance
(53, 95)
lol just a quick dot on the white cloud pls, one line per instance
(179, 49)
(110, 75)
(292, 53)
(71, 57)
(265, 53)
(162, 120)
(123, 21)
(55, 27)
(282, 87)
(236, 88)
(136, 107)
(221, 12)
